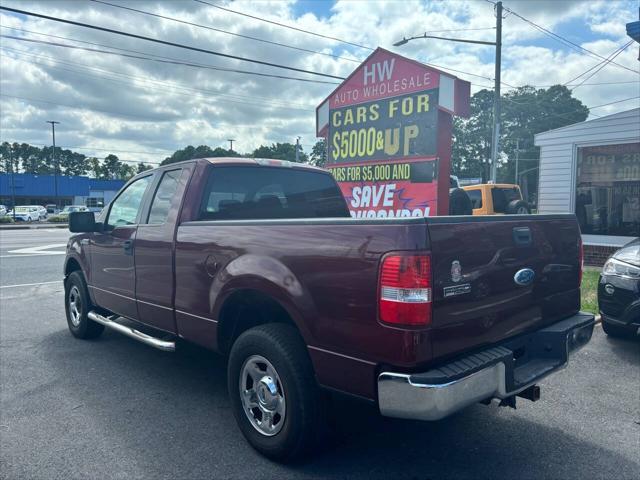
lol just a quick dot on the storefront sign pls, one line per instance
(388, 131)
(389, 190)
(392, 128)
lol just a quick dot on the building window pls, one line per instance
(95, 202)
(608, 189)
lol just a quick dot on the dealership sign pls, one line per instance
(388, 131)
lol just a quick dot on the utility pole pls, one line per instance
(13, 184)
(297, 149)
(495, 144)
(231, 140)
(495, 134)
(55, 162)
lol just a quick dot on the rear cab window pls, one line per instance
(256, 192)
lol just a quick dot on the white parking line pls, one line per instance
(17, 255)
(30, 284)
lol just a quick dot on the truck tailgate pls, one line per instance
(483, 290)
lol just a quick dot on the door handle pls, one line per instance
(127, 245)
(522, 236)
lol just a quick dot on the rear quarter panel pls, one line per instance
(325, 274)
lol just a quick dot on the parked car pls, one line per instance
(619, 292)
(42, 211)
(261, 261)
(52, 209)
(3, 209)
(72, 208)
(25, 213)
(496, 198)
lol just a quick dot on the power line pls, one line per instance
(285, 25)
(604, 64)
(171, 44)
(562, 39)
(226, 125)
(161, 60)
(150, 162)
(225, 31)
(171, 87)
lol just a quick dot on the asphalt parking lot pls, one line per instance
(114, 408)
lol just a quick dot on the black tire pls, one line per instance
(615, 330)
(304, 424)
(459, 202)
(80, 326)
(518, 207)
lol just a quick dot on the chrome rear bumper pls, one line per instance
(497, 372)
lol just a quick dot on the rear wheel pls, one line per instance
(273, 392)
(77, 306)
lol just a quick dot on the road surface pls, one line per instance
(116, 409)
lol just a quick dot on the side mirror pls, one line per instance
(83, 222)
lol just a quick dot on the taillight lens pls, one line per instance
(581, 253)
(405, 290)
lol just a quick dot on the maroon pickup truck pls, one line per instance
(261, 261)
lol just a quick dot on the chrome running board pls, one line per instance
(164, 345)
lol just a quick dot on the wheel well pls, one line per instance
(246, 309)
(72, 266)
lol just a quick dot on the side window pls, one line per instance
(476, 198)
(499, 200)
(164, 194)
(125, 208)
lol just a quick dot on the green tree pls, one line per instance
(318, 155)
(142, 167)
(113, 168)
(525, 112)
(280, 151)
(202, 151)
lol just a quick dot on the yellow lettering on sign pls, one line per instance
(336, 118)
(423, 103)
(410, 132)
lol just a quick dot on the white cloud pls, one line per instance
(133, 105)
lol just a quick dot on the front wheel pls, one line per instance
(273, 392)
(77, 306)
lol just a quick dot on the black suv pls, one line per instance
(619, 292)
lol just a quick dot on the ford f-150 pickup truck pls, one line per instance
(261, 261)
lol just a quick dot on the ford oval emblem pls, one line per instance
(524, 277)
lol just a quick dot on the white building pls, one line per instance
(592, 169)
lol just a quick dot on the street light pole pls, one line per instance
(55, 162)
(495, 134)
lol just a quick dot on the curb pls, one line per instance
(34, 227)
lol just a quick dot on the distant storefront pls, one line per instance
(31, 189)
(593, 169)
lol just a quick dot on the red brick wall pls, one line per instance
(596, 255)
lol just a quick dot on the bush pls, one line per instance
(58, 219)
(4, 219)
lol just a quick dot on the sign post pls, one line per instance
(388, 128)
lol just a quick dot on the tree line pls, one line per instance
(525, 112)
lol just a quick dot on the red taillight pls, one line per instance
(405, 290)
(581, 260)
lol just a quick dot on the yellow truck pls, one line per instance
(496, 199)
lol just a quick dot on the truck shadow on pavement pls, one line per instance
(168, 416)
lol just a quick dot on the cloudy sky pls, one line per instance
(145, 108)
